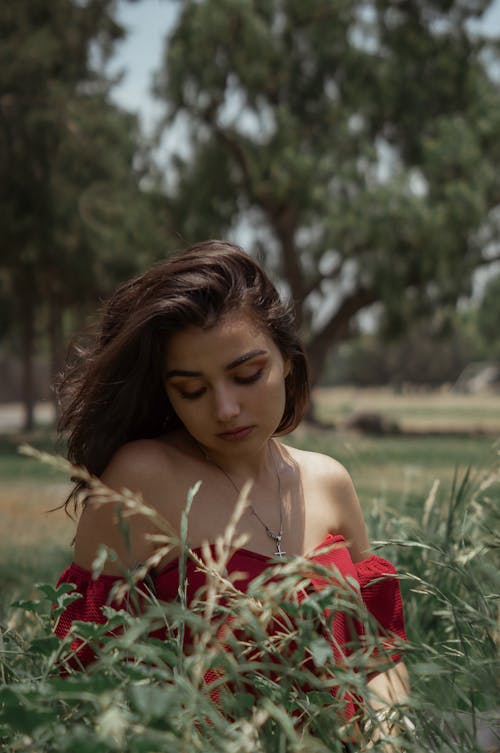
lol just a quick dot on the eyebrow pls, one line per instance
(237, 362)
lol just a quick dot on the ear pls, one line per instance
(287, 367)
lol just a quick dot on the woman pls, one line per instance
(196, 371)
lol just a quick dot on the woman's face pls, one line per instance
(227, 384)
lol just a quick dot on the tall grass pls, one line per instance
(275, 686)
(447, 554)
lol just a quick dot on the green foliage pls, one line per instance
(145, 694)
(452, 587)
(419, 356)
(488, 315)
(358, 140)
(75, 218)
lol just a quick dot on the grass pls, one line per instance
(398, 467)
(35, 544)
(144, 695)
(415, 411)
(15, 468)
(444, 432)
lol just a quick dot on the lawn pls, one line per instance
(418, 411)
(442, 435)
(399, 467)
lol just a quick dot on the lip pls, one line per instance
(236, 434)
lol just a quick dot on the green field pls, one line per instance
(442, 434)
(398, 467)
(420, 411)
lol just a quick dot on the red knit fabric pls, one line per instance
(375, 576)
(95, 593)
(382, 596)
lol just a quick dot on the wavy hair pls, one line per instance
(112, 390)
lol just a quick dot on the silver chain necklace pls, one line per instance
(276, 537)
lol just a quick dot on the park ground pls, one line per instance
(443, 434)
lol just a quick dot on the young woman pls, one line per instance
(196, 372)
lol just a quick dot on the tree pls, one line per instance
(71, 209)
(488, 316)
(356, 143)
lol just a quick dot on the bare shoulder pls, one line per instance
(324, 467)
(141, 467)
(136, 464)
(329, 483)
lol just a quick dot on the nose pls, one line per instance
(227, 405)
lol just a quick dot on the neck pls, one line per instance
(255, 467)
(261, 464)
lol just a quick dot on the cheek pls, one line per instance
(275, 405)
(179, 406)
(189, 414)
(276, 391)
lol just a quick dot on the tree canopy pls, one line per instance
(351, 144)
(74, 218)
(354, 143)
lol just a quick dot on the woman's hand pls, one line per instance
(389, 692)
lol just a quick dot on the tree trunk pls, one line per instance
(284, 224)
(56, 343)
(336, 329)
(27, 321)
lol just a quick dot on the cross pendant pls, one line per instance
(277, 541)
(279, 551)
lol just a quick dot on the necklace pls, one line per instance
(276, 537)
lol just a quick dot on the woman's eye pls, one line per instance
(251, 378)
(192, 395)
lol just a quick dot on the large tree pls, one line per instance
(73, 217)
(488, 316)
(355, 144)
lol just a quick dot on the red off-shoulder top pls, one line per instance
(378, 587)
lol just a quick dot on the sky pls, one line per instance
(148, 23)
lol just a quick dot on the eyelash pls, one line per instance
(240, 380)
(250, 379)
(191, 395)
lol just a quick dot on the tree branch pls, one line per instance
(337, 327)
(315, 283)
(238, 152)
(489, 260)
(283, 217)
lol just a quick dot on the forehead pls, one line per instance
(232, 335)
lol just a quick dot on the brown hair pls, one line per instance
(113, 390)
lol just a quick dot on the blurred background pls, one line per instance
(353, 146)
